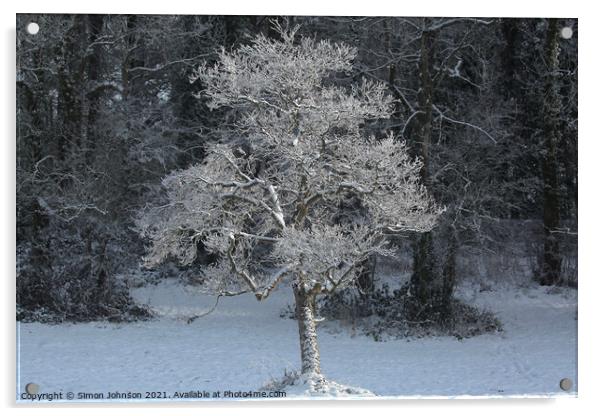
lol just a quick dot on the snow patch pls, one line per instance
(244, 343)
(304, 385)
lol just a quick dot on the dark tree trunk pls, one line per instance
(425, 99)
(423, 275)
(551, 207)
(509, 85)
(92, 96)
(71, 85)
(133, 83)
(449, 282)
(390, 41)
(423, 278)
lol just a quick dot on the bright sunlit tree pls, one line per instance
(272, 199)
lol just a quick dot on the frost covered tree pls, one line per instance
(271, 200)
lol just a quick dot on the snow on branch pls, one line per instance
(302, 193)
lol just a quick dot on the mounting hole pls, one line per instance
(566, 384)
(566, 33)
(32, 388)
(32, 28)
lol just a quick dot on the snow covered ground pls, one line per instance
(244, 344)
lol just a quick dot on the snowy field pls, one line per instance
(244, 344)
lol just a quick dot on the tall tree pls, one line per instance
(551, 112)
(424, 273)
(300, 153)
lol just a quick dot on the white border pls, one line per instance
(589, 203)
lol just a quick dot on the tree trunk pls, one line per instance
(305, 311)
(425, 99)
(423, 279)
(91, 99)
(70, 87)
(389, 29)
(509, 87)
(424, 270)
(551, 206)
(449, 282)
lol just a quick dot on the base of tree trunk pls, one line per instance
(299, 385)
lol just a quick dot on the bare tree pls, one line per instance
(276, 184)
